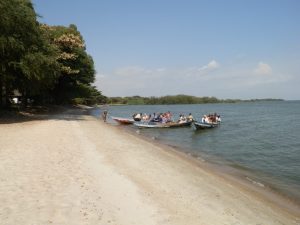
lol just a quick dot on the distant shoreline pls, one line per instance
(177, 99)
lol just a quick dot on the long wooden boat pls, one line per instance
(201, 125)
(124, 121)
(161, 125)
(180, 124)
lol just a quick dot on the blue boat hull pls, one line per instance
(200, 125)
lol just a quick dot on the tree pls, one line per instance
(44, 63)
(77, 71)
(27, 62)
(17, 31)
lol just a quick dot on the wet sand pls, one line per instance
(75, 169)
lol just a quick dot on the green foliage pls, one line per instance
(96, 96)
(176, 99)
(117, 100)
(27, 61)
(79, 101)
(48, 64)
(77, 71)
(18, 33)
(135, 100)
(166, 100)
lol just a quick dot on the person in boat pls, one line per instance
(210, 118)
(152, 117)
(155, 117)
(149, 117)
(190, 118)
(180, 116)
(164, 118)
(134, 115)
(206, 119)
(145, 117)
(214, 118)
(137, 117)
(169, 116)
(161, 117)
(218, 119)
(182, 119)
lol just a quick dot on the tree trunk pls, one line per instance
(2, 93)
(24, 99)
(1, 87)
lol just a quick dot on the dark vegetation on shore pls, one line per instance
(176, 99)
(42, 64)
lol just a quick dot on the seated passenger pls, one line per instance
(145, 117)
(182, 119)
(164, 119)
(137, 117)
(190, 118)
(169, 116)
(205, 119)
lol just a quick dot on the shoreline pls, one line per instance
(251, 175)
(233, 177)
(244, 177)
(81, 170)
(246, 181)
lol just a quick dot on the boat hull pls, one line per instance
(124, 121)
(161, 125)
(200, 125)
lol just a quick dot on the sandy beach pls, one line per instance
(72, 168)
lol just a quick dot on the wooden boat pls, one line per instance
(124, 121)
(200, 125)
(161, 125)
(180, 124)
(150, 125)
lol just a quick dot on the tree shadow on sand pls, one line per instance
(38, 113)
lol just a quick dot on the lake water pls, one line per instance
(260, 139)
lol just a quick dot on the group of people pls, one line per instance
(211, 118)
(155, 117)
(162, 117)
(184, 119)
(168, 117)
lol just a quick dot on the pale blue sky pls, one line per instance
(223, 48)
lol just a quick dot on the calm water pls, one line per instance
(261, 138)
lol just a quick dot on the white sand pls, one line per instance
(78, 170)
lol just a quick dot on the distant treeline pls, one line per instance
(175, 99)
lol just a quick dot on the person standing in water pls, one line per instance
(104, 115)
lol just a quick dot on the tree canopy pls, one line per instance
(46, 64)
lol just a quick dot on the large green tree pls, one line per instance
(77, 71)
(45, 63)
(27, 61)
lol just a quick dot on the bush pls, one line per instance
(79, 101)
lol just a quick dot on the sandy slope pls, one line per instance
(73, 169)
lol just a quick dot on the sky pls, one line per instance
(238, 49)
